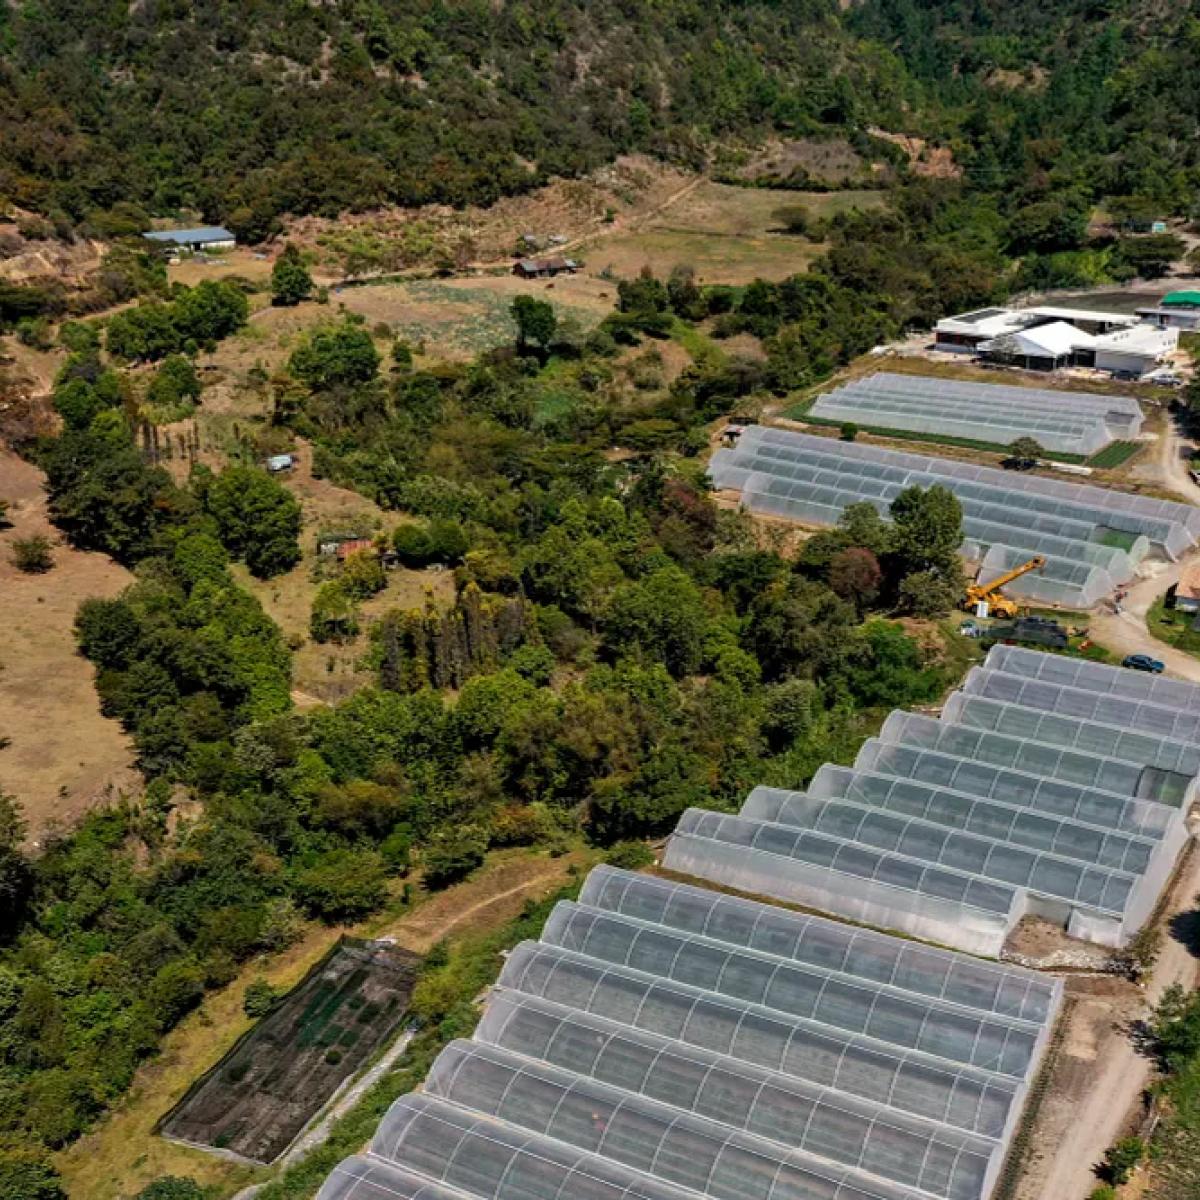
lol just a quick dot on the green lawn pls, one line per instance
(1114, 454)
(1173, 627)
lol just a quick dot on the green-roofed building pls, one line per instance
(1176, 310)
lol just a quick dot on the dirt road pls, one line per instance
(1126, 632)
(1173, 455)
(1076, 1132)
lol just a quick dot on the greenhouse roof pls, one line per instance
(1006, 518)
(1183, 299)
(664, 1042)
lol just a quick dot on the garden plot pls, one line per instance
(260, 1096)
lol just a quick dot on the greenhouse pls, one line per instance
(1092, 538)
(662, 1041)
(866, 1068)
(982, 422)
(950, 831)
(1142, 779)
(1175, 756)
(1107, 709)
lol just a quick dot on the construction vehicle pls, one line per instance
(998, 604)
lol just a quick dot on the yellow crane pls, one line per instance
(998, 604)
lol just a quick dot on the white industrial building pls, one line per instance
(1049, 338)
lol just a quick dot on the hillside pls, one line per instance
(246, 111)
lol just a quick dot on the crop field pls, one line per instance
(727, 234)
(259, 1097)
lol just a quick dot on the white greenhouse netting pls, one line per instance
(910, 1081)
(366, 1178)
(1096, 677)
(812, 479)
(1176, 757)
(802, 937)
(1080, 702)
(1107, 773)
(993, 819)
(1067, 434)
(1122, 414)
(675, 1143)
(853, 881)
(1059, 580)
(792, 1113)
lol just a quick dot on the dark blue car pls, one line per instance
(1143, 662)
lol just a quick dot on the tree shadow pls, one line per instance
(1184, 928)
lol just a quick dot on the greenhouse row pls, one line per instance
(1061, 422)
(951, 831)
(665, 1042)
(1091, 538)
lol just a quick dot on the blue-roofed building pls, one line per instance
(205, 237)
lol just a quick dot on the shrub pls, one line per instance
(1123, 1157)
(630, 856)
(32, 555)
(258, 998)
(848, 431)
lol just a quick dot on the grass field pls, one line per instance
(60, 755)
(727, 234)
(1116, 454)
(257, 1099)
(799, 412)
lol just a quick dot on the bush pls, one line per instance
(848, 431)
(172, 1187)
(926, 594)
(32, 555)
(453, 853)
(259, 998)
(412, 545)
(630, 856)
(1122, 1158)
(341, 885)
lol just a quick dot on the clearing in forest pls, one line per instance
(259, 1097)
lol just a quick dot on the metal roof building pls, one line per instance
(200, 238)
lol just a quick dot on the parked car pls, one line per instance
(1143, 662)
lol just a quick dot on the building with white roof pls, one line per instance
(1048, 338)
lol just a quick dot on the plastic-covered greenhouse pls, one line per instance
(1092, 538)
(953, 829)
(666, 1042)
(1060, 421)
(864, 1068)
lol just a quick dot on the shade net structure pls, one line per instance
(1061, 797)
(920, 405)
(868, 1069)
(1121, 414)
(1091, 538)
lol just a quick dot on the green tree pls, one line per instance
(662, 615)
(928, 594)
(927, 531)
(258, 519)
(855, 575)
(16, 872)
(334, 616)
(1122, 1158)
(362, 575)
(1026, 448)
(536, 322)
(412, 545)
(290, 281)
(848, 431)
(341, 885)
(452, 854)
(1151, 256)
(341, 356)
(27, 1174)
(175, 384)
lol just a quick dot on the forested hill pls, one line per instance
(1100, 96)
(244, 109)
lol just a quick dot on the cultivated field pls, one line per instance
(256, 1100)
(59, 755)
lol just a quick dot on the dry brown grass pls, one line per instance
(63, 756)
